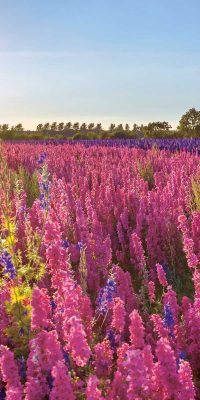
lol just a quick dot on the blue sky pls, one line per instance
(98, 61)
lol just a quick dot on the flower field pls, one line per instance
(99, 273)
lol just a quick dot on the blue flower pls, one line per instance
(67, 359)
(6, 261)
(111, 338)
(65, 243)
(22, 367)
(80, 246)
(168, 316)
(105, 296)
(53, 304)
(42, 158)
(50, 379)
(182, 356)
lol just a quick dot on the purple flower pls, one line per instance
(6, 261)
(105, 296)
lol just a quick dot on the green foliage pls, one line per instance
(30, 185)
(190, 123)
(195, 194)
(147, 173)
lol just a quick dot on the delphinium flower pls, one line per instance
(44, 183)
(187, 389)
(138, 378)
(10, 374)
(181, 356)
(103, 357)
(137, 252)
(168, 319)
(188, 243)
(118, 388)
(76, 341)
(119, 314)
(45, 352)
(6, 261)
(167, 368)
(92, 390)
(136, 329)
(161, 275)
(41, 309)
(62, 389)
(106, 296)
(151, 291)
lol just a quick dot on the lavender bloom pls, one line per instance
(111, 338)
(105, 296)
(168, 319)
(22, 367)
(6, 261)
(65, 243)
(42, 158)
(182, 356)
(50, 379)
(80, 246)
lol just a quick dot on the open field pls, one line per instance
(100, 270)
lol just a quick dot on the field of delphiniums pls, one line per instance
(99, 273)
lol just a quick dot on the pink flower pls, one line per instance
(92, 391)
(151, 291)
(41, 309)
(62, 389)
(136, 330)
(10, 374)
(187, 390)
(118, 320)
(161, 275)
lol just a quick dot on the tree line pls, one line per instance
(188, 127)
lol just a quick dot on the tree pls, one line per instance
(120, 127)
(39, 128)
(46, 126)
(18, 128)
(156, 129)
(83, 127)
(91, 126)
(76, 126)
(60, 126)
(111, 127)
(68, 125)
(53, 126)
(190, 122)
(127, 127)
(98, 127)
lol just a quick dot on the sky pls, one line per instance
(120, 61)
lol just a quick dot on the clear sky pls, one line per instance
(98, 61)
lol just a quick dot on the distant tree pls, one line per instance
(190, 122)
(127, 127)
(18, 128)
(53, 126)
(4, 128)
(98, 127)
(46, 126)
(120, 127)
(39, 128)
(111, 127)
(156, 129)
(83, 127)
(68, 125)
(60, 126)
(76, 126)
(91, 126)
